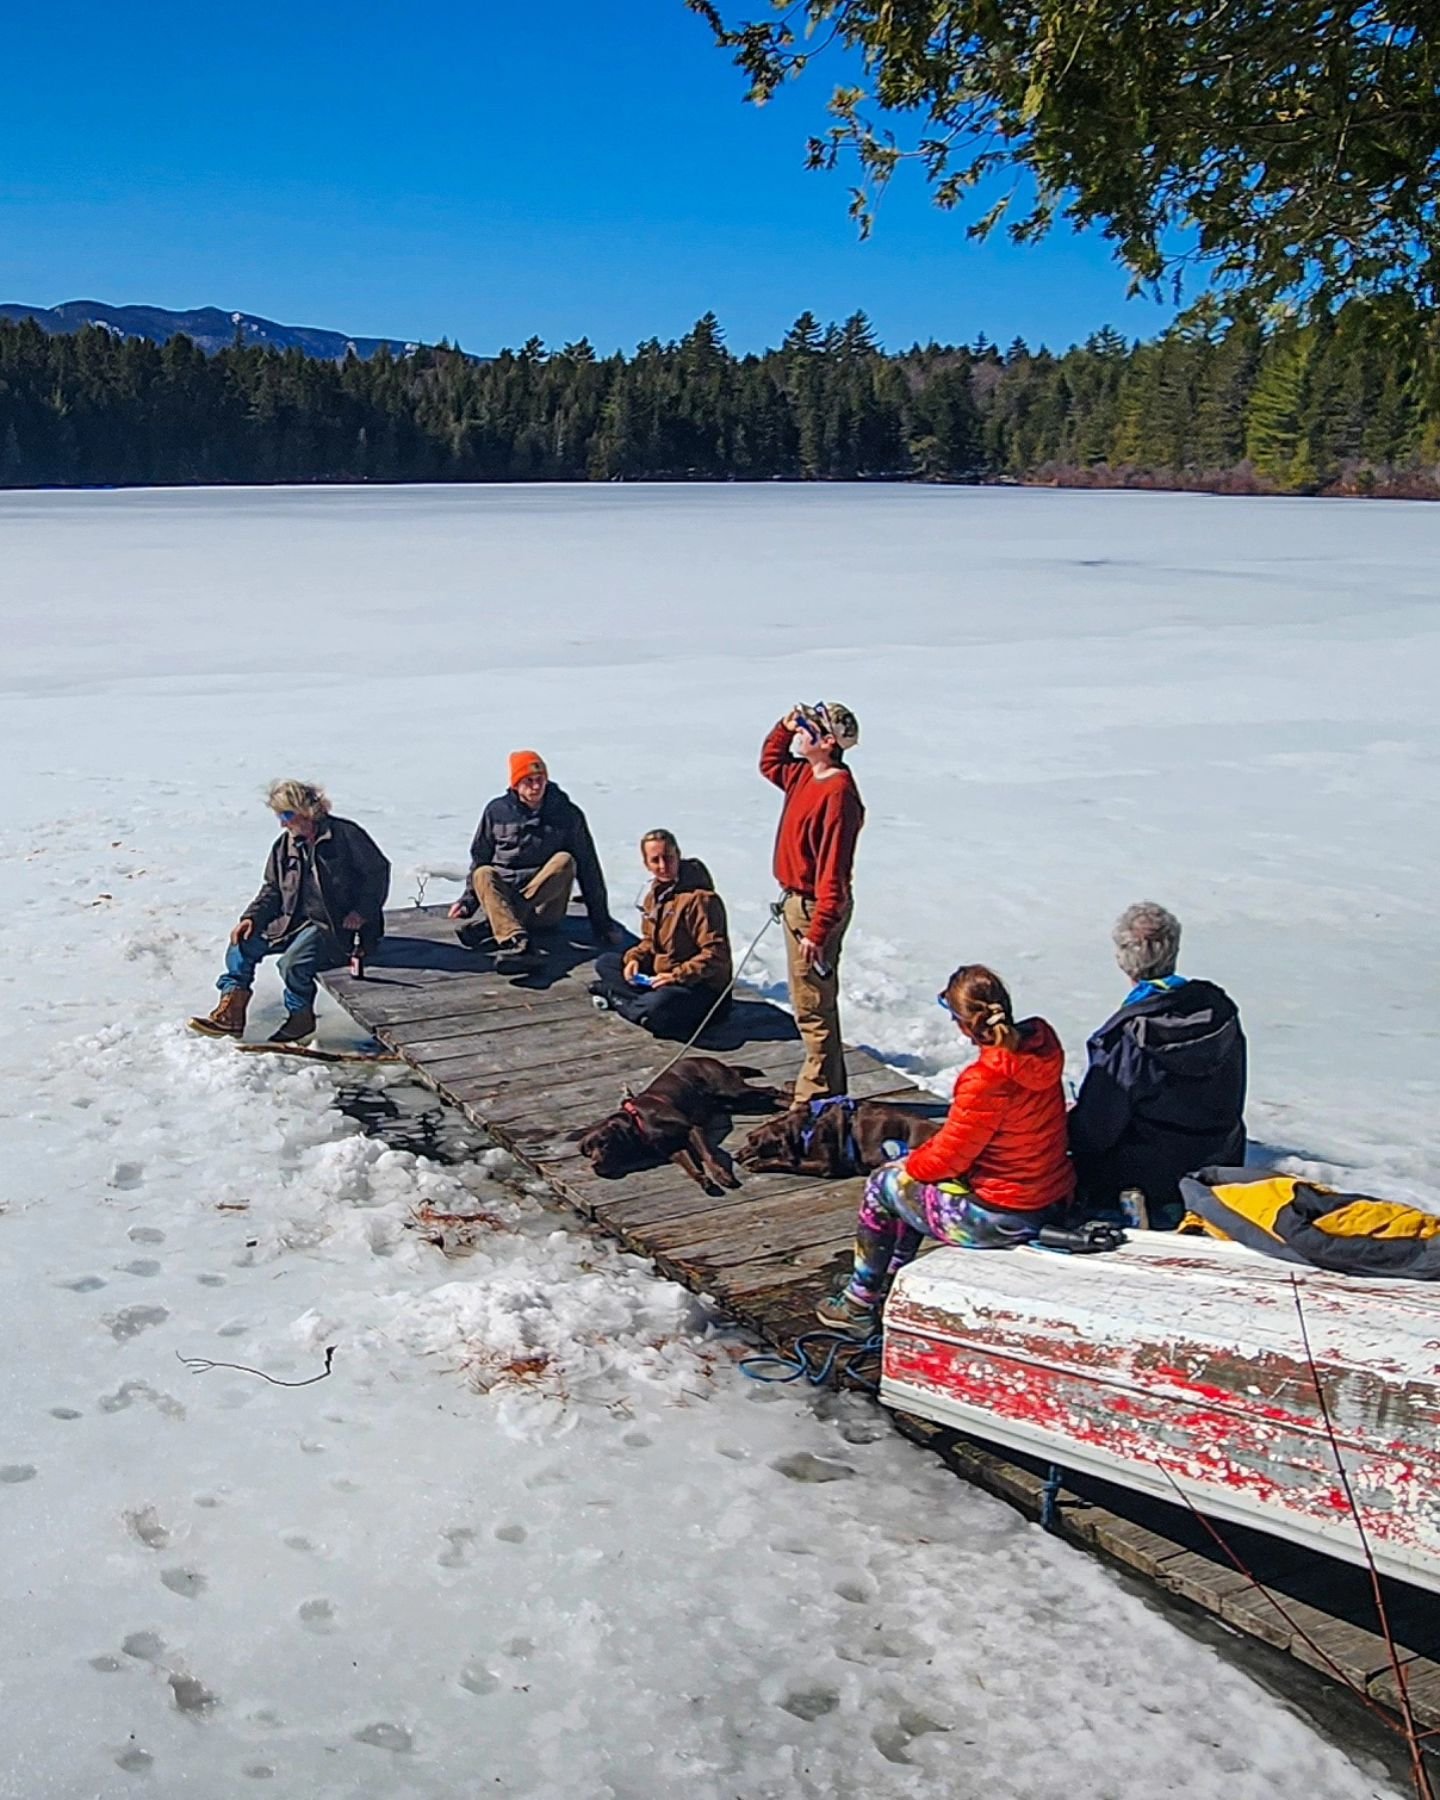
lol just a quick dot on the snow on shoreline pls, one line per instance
(533, 1535)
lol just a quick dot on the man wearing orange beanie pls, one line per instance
(530, 848)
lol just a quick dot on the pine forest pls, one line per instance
(1342, 403)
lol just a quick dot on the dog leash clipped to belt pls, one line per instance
(627, 1093)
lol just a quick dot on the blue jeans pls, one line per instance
(309, 950)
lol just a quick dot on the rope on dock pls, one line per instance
(831, 1347)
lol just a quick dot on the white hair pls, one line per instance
(1147, 941)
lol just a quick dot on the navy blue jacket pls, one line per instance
(518, 841)
(1164, 1095)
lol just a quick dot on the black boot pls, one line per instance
(299, 1028)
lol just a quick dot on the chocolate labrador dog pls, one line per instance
(669, 1119)
(833, 1138)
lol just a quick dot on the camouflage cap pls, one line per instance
(840, 723)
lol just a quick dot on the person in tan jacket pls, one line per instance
(681, 967)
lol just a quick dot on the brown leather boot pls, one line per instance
(299, 1028)
(228, 1018)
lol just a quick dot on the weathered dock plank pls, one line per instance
(531, 1062)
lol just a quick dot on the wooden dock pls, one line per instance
(532, 1063)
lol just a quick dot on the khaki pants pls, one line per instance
(816, 1002)
(515, 911)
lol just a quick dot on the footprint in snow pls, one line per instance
(144, 1646)
(856, 1592)
(810, 1704)
(459, 1550)
(144, 1524)
(317, 1616)
(142, 1265)
(893, 1741)
(211, 1280)
(801, 1465)
(385, 1736)
(130, 1321)
(477, 1679)
(83, 1284)
(127, 1175)
(511, 1534)
(145, 1234)
(12, 1474)
(134, 1761)
(189, 1584)
(106, 1665)
(192, 1696)
(130, 1391)
(65, 1412)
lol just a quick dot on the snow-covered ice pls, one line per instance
(534, 1535)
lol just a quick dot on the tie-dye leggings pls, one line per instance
(897, 1213)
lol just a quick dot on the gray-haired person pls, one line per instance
(1165, 1090)
(325, 883)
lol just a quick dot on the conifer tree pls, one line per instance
(1353, 400)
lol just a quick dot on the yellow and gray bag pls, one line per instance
(1305, 1222)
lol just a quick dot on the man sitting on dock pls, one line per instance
(530, 848)
(325, 885)
(1165, 1091)
(675, 977)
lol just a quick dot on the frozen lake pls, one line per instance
(623, 1582)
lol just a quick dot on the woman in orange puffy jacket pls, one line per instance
(997, 1170)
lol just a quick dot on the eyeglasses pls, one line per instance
(941, 1001)
(287, 818)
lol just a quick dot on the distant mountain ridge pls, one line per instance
(210, 327)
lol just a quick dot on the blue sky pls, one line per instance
(483, 174)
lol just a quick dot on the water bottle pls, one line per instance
(357, 957)
(1133, 1209)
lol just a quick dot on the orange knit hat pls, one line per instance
(523, 763)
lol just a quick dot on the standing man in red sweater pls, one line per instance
(804, 755)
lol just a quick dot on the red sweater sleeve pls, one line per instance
(976, 1109)
(776, 762)
(840, 825)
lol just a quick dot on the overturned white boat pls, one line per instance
(1179, 1366)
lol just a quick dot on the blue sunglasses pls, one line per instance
(810, 722)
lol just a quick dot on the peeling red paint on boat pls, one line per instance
(1165, 1363)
